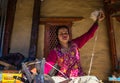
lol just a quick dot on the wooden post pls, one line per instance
(34, 31)
(9, 25)
(111, 36)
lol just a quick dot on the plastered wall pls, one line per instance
(21, 32)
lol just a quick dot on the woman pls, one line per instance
(66, 53)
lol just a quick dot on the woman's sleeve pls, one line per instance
(51, 59)
(80, 41)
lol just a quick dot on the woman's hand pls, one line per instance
(97, 15)
(100, 16)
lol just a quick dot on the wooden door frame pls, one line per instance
(57, 21)
(109, 10)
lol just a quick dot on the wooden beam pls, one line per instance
(9, 25)
(44, 20)
(111, 37)
(34, 31)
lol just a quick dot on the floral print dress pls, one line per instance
(69, 61)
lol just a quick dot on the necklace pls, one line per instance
(65, 50)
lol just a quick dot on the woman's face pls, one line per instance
(63, 35)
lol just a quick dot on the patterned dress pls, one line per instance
(69, 59)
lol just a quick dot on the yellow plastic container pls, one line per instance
(7, 77)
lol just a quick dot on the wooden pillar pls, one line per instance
(111, 36)
(3, 11)
(34, 31)
(9, 25)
